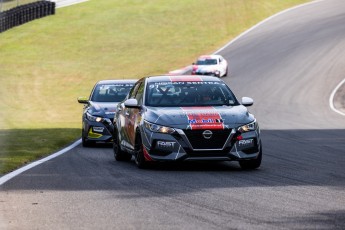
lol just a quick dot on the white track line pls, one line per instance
(9, 176)
(331, 98)
(63, 3)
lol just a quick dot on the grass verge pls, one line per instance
(47, 63)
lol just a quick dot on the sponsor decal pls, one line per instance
(246, 142)
(186, 82)
(194, 121)
(108, 86)
(203, 118)
(98, 129)
(166, 144)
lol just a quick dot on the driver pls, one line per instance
(205, 94)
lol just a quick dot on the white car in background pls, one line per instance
(212, 65)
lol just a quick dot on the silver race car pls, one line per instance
(185, 118)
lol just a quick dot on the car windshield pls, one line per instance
(182, 93)
(206, 62)
(111, 92)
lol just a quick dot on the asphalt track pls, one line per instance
(289, 65)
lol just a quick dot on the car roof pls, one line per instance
(117, 81)
(175, 78)
(212, 56)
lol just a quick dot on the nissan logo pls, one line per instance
(207, 134)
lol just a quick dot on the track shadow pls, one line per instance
(291, 158)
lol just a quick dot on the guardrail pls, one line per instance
(21, 14)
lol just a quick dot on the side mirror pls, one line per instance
(131, 103)
(247, 101)
(83, 100)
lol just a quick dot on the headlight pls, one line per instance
(93, 118)
(248, 127)
(158, 128)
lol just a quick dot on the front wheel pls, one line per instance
(84, 140)
(119, 154)
(140, 160)
(252, 164)
(226, 72)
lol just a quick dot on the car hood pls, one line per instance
(102, 109)
(211, 117)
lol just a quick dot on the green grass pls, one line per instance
(31, 144)
(47, 63)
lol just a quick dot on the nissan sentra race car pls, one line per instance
(100, 108)
(185, 118)
(212, 65)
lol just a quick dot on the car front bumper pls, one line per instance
(96, 131)
(188, 145)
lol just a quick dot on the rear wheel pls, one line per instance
(252, 164)
(139, 153)
(119, 154)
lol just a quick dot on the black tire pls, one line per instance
(119, 154)
(226, 73)
(252, 164)
(84, 141)
(139, 157)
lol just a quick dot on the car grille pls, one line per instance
(198, 141)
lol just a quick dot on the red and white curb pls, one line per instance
(181, 71)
